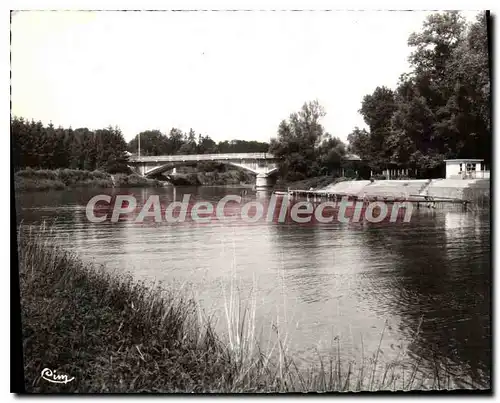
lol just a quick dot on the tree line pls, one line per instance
(440, 108)
(176, 142)
(38, 146)
(47, 147)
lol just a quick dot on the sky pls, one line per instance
(229, 75)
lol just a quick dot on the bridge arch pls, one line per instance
(262, 165)
(171, 165)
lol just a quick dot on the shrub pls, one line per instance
(26, 184)
(134, 180)
(31, 179)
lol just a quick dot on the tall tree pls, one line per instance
(206, 145)
(468, 107)
(299, 144)
(359, 143)
(189, 145)
(330, 153)
(175, 141)
(377, 110)
(41, 147)
(153, 142)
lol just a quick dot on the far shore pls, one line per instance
(60, 179)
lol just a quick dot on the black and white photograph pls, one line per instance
(215, 201)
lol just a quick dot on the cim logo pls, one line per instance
(51, 376)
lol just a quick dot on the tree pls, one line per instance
(469, 105)
(88, 157)
(377, 110)
(359, 143)
(112, 157)
(153, 142)
(206, 145)
(189, 145)
(242, 146)
(22, 147)
(330, 154)
(302, 146)
(435, 44)
(175, 141)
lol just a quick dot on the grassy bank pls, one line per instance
(113, 334)
(32, 179)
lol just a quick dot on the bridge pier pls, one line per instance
(264, 181)
(142, 169)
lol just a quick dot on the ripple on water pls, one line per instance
(319, 283)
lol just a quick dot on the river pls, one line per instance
(320, 285)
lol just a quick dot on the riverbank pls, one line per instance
(33, 180)
(113, 334)
(215, 178)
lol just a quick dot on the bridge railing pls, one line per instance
(203, 157)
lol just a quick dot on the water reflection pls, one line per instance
(319, 281)
(444, 280)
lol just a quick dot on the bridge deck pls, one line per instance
(203, 157)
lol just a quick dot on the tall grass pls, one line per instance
(134, 180)
(275, 370)
(114, 334)
(44, 179)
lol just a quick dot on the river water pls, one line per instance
(422, 287)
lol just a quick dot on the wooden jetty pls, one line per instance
(424, 200)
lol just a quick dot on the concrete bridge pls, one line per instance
(263, 165)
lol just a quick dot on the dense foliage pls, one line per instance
(440, 109)
(46, 147)
(303, 147)
(154, 142)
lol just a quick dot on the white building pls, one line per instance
(466, 168)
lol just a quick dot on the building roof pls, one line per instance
(352, 157)
(465, 160)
